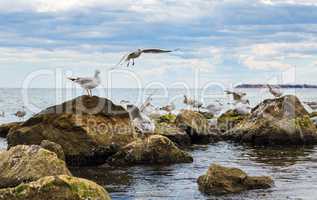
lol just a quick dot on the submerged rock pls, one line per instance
(89, 129)
(5, 128)
(196, 126)
(221, 180)
(282, 121)
(230, 119)
(24, 163)
(154, 149)
(58, 188)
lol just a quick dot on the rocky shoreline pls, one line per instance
(91, 131)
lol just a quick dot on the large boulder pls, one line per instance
(282, 121)
(5, 128)
(230, 119)
(58, 188)
(221, 180)
(172, 132)
(154, 149)
(196, 126)
(89, 129)
(53, 147)
(24, 163)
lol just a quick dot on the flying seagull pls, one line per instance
(88, 83)
(238, 97)
(274, 91)
(136, 54)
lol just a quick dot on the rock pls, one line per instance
(207, 114)
(167, 118)
(24, 163)
(221, 180)
(282, 121)
(58, 188)
(53, 147)
(229, 119)
(175, 134)
(155, 149)
(196, 126)
(5, 128)
(89, 129)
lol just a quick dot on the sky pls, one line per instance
(225, 42)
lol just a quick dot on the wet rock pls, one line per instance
(154, 149)
(89, 129)
(221, 180)
(5, 128)
(175, 134)
(24, 163)
(282, 121)
(230, 119)
(53, 147)
(196, 126)
(58, 188)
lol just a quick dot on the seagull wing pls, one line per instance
(83, 80)
(156, 51)
(123, 59)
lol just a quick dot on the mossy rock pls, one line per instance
(155, 149)
(58, 188)
(175, 134)
(53, 147)
(167, 118)
(24, 163)
(89, 129)
(282, 121)
(230, 119)
(5, 128)
(220, 180)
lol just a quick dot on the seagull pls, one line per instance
(238, 97)
(2, 114)
(88, 83)
(168, 108)
(20, 113)
(214, 108)
(274, 91)
(136, 54)
(192, 102)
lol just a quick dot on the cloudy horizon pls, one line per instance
(222, 41)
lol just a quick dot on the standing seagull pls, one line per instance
(238, 97)
(88, 83)
(274, 91)
(136, 54)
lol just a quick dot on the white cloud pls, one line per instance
(293, 2)
(152, 10)
(276, 56)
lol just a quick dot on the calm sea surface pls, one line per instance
(294, 170)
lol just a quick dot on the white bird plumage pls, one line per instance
(136, 54)
(88, 83)
(192, 102)
(274, 91)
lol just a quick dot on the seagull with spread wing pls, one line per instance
(136, 54)
(88, 83)
(238, 97)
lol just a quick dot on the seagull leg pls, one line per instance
(128, 63)
(132, 62)
(90, 92)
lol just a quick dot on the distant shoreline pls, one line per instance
(286, 86)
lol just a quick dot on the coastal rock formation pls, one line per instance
(221, 180)
(89, 129)
(196, 126)
(175, 134)
(282, 121)
(53, 147)
(24, 163)
(5, 128)
(229, 119)
(56, 187)
(155, 149)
